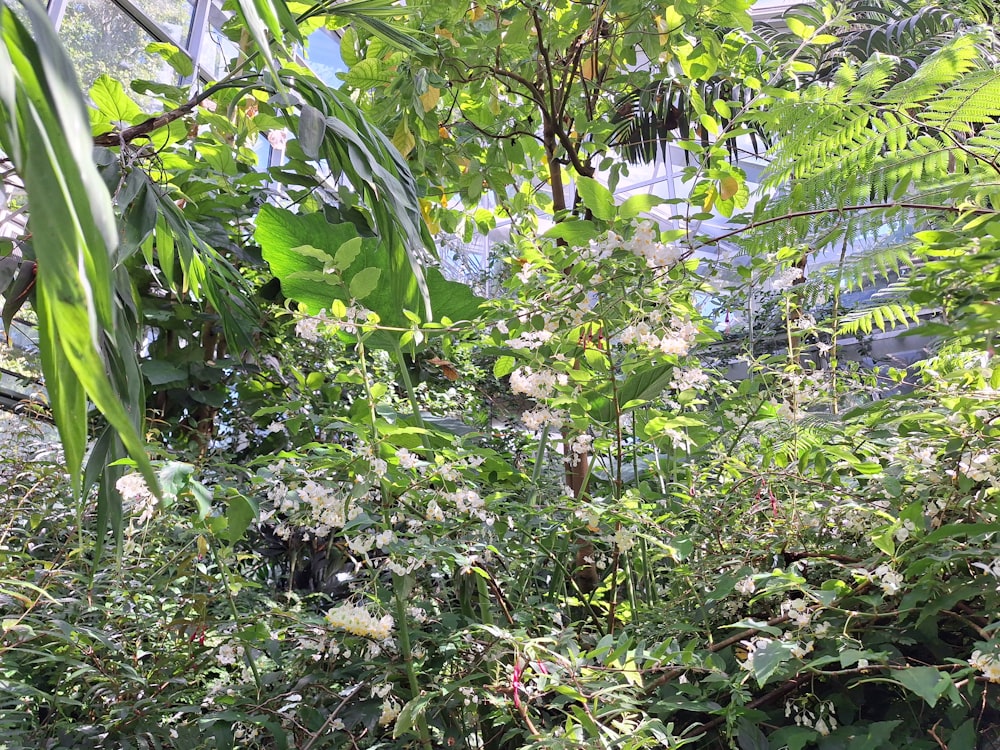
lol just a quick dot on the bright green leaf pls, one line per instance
(597, 198)
(364, 282)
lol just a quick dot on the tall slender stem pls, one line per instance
(247, 652)
(399, 583)
(406, 651)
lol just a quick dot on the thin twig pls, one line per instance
(333, 715)
(842, 209)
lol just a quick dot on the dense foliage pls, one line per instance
(656, 493)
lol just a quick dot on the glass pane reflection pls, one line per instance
(101, 39)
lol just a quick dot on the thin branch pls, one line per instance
(144, 128)
(844, 209)
(714, 649)
(779, 692)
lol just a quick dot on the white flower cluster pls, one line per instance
(361, 544)
(469, 502)
(821, 719)
(623, 538)
(678, 339)
(890, 581)
(530, 340)
(644, 243)
(308, 327)
(797, 610)
(801, 649)
(922, 455)
(384, 538)
(578, 313)
(905, 529)
(328, 508)
(535, 419)
(404, 568)
(537, 385)
(433, 511)
(390, 710)
(988, 664)
(746, 586)
(690, 378)
(134, 490)
(358, 620)
(526, 272)
(786, 278)
(980, 467)
(406, 459)
(753, 646)
(228, 655)
(579, 446)
(354, 316)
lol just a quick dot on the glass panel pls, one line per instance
(322, 54)
(100, 38)
(218, 52)
(173, 16)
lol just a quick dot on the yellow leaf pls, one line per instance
(632, 674)
(430, 98)
(425, 210)
(445, 34)
(662, 29)
(444, 133)
(588, 68)
(710, 199)
(403, 139)
(668, 23)
(728, 187)
(475, 13)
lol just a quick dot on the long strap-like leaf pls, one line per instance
(45, 131)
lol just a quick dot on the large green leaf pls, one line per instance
(596, 197)
(927, 682)
(301, 249)
(646, 384)
(114, 107)
(365, 158)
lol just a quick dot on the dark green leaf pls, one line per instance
(927, 682)
(242, 512)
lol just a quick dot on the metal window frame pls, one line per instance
(192, 44)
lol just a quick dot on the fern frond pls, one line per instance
(885, 316)
(871, 267)
(972, 101)
(943, 68)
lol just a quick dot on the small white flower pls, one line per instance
(277, 138)
(785, 279)
(903, 532)
(407, 460)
